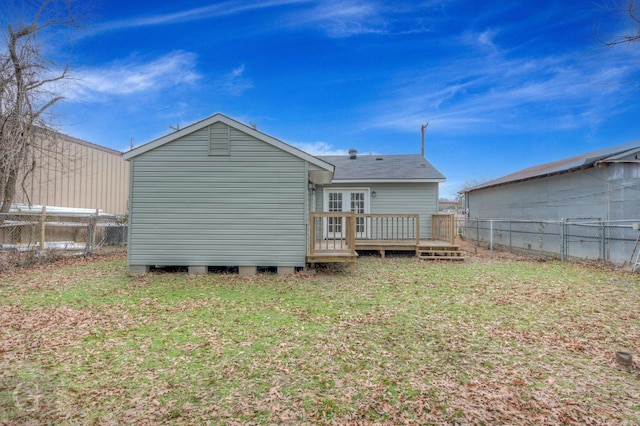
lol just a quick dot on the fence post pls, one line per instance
(562, 235)
(603, 249)
(43, 216)
(491, 236)
(477, 232)
(91, 237)
(510, 240)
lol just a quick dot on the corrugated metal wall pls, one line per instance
(624, 191)
(607, 193)
(580, 194)
(74, 173)
(242, 209)
(398, 198)
(589, 212)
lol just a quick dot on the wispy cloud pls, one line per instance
(319, 148)
(133, 76)
(342, 18)
(336, 18)
(218, 9)
(234, 83)
(347, 18)
(485, 91)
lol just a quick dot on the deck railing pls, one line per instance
(442, 228)
(388, 227)
(341, 231)
(332, 231)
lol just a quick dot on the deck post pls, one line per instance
(312, 233)
(452, 220)
(351, 232)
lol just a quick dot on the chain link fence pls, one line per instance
(27, 236)
(566, 239)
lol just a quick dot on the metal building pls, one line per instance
(70, 172)
(601, 187)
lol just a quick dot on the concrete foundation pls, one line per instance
(248, 271)
(286, 270)
(198, 270)
(139, 269)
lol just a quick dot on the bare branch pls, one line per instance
(632, 10)
(26, 82)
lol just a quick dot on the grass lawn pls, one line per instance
(403, 341)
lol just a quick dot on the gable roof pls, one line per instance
(383, 168)
(579, 162)
(216, 118)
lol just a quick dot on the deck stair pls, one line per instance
(437, 251)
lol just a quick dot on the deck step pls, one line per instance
(440, 253)
(442, 258)
(437, 247)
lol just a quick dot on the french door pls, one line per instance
(346, 200)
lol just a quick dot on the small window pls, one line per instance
(219, 136)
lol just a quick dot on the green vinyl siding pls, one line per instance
(247, 208)
(219, 139)
(396, 198)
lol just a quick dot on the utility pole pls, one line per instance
(423, 128)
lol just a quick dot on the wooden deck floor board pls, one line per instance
(339, 251)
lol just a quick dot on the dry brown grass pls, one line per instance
(490, 341)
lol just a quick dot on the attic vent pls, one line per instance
(219, 137)
(353, 154)
(378, 158)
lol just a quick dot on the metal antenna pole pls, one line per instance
(422, 128)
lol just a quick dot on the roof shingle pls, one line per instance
(382, 167)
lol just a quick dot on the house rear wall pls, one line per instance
(397, 198)
(190, 208)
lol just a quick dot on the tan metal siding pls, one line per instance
(190, 208)
(71, 173)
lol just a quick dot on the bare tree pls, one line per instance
(632, 9)
(27, 90)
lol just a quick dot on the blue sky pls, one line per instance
(503, 85)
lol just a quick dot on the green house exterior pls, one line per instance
(384, 184)
(219, 193)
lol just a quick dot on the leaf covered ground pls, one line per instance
(401, 342)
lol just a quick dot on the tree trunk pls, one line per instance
(9, 191)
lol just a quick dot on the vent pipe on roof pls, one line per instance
(353, 154)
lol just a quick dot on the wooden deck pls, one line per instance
(424, 248)
(325, 247)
